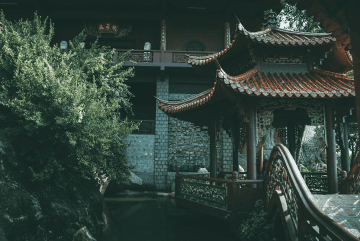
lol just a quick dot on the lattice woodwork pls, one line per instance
(138, 56)
(203, 192)
(279, 177)
(264, 121)
(283, 58)
(314, 108)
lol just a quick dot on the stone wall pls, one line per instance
(227, 155)
(189, 146)
(140, 154)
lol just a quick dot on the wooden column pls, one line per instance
(345, 163)
(331, 150)
(213, 158)
(291, 134)
(251, 145)
(236, 142)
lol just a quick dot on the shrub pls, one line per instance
(256, 227)
(60, 109)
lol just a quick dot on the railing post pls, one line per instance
(231, 201)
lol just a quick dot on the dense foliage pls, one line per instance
(294, 19)
(256, 227)
(59, 109)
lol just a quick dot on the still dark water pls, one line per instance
(156, 218)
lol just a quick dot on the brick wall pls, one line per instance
(161, 135)
(189, 146)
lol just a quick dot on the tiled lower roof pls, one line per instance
(316, 84)
(190, 103)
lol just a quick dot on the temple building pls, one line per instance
(270, 81)
(289, 69)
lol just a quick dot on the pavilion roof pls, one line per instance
(340, 61)
(316, 84)
(276, 37)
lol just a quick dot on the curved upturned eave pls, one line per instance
(200, 99)
(316, 84)
(276, 37)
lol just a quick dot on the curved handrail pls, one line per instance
(282, 173)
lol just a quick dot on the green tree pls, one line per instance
(295, 19)
(60, 109)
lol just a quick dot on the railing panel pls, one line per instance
(219, 193)
(280, 180)
(317, 182)
(203, 191)
(155, 55)
(136, 55)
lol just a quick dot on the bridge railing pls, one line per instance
(215, 192)
(317, 182)
(288, 196)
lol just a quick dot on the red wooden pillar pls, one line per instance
(212, 133)
(331, 150)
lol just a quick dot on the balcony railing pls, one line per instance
(157, 56)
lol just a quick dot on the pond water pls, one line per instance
(150, 217)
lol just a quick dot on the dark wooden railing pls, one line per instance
(287, 195)
(215, 196)
(156, 56)
(317, 182)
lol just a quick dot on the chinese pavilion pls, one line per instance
(271, 78)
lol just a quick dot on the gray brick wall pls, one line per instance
(161, 135)
(140, 154)
(227, 156)
(189, 146)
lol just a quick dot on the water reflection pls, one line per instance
(154, 218)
